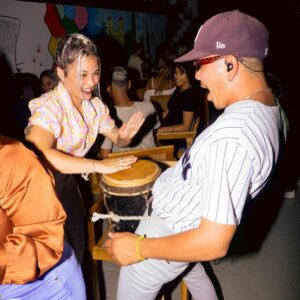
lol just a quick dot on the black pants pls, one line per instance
(70, 197)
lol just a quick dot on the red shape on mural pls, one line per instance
(53, 22)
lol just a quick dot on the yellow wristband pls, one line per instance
(137, 247)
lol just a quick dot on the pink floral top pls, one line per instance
(74, 134)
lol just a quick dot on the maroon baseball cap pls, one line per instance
(231, 32)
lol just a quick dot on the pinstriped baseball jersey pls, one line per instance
(227, 165)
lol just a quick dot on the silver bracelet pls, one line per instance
(85, 175)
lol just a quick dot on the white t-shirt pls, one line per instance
(136, 62)
(144, 138)
(228, 164)
(152, 92)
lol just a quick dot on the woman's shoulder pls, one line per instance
(49, 100)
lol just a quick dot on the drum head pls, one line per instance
(135, 180)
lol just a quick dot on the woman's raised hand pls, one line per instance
(129, 130)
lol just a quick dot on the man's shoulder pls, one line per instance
(126, 112)
(223, 130)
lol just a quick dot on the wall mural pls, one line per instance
(125, 27)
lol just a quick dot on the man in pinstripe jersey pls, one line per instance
(198, 204)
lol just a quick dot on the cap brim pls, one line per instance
(191, 55)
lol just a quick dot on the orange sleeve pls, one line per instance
(31, 242)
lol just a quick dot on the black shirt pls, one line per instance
(178, 103)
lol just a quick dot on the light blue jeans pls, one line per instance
(63, 281)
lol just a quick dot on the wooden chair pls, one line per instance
(160, 153)
(189, 136)
(96, 248)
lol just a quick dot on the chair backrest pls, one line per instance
(189, 136)
(160, 153)
(162, 101)
(195, 124)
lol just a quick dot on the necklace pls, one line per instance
(258, 92)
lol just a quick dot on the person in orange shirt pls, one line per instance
(35, 262)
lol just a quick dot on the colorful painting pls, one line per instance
(125, 27)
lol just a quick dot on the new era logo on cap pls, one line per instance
(220, 45)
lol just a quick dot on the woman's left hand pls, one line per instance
(129, 130)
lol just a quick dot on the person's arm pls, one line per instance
(122, 136)
(184, 126)
(209, 241)
(68, 164)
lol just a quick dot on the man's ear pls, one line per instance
(60, 73)
(231, 64)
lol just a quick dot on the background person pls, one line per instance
(48, 80)
(184, 105)
(160, 83)
(199, 202)
(125, 107)
(26, 86)
(139, 61)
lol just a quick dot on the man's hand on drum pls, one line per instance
(121, 246)
(112, 165)
(128, 131)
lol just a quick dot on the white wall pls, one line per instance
(33, 35)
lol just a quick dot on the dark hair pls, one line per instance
(119, 77)
(50, 74)
(46, 73)
(162, 71)
(138, 47)
(188, 68)
(26, 87)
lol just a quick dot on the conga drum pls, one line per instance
(126, 193)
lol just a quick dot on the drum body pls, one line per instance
(126, 193)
